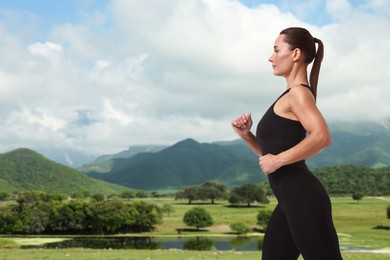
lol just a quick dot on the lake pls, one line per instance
(240, 243)
(201, 243)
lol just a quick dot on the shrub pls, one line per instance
(239, 227)
(263, 218)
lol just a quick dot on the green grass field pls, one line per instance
(355, 224)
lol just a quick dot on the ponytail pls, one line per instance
(301, 38)
(315, 70)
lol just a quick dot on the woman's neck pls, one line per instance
(298, 76)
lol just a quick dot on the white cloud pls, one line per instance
(44, 49)
(161, 71)
(110, 112)
(338, 8)
(40, 119)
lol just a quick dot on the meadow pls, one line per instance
(360, 225)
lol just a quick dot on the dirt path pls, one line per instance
(382, 198)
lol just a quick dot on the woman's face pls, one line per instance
(282, 58)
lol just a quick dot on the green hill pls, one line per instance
(24, 169)
(348, 179)
(185, 163)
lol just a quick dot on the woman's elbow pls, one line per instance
(323, 139)
(328, 141)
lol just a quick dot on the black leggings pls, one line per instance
(302, 221)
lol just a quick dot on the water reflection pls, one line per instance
(190, 243)
(199, 244)
(105, 243)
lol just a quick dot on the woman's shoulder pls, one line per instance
(301, 92)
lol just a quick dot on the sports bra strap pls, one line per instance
(288, 90)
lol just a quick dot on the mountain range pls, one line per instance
(347, 136)
(185, 163)
(189, 162)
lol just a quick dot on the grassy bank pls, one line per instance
(8, 243)
(95, 254)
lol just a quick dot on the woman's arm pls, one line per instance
(302, 104)
(242, 125)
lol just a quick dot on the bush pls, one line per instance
(97, 197)
(263, 218)
(388, 212)
(4, 195)
(240, 228)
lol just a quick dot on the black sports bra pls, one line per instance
(276, 133)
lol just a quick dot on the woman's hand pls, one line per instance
(269, 163)
(242, 125)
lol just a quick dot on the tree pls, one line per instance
(267, 188)
(141, 194)
(127, 195)
(234, 198)
(168, 208)
(147, 215)
(248, 193)
(81, 195)
(211, 190)
(69, 217)
(357, 196)
(154, 194)
(191, 193)
(198, 217)
(10, 221)
(29, 197)
(36, 217)
(97, 196)
(107, 216)
(263, 218)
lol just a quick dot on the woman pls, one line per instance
(292, 130)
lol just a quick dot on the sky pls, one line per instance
(99, 76)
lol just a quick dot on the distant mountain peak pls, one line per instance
(188, 141)
(22, 150)
(187, 144)
(26, 169)
(24, 153)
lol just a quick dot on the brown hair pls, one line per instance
(301, 38)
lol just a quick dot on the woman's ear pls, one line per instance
(297, 54)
